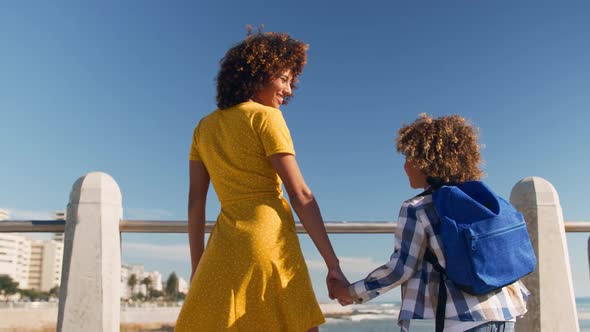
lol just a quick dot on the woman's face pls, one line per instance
(274, 92)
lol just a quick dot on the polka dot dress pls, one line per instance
(252, 276)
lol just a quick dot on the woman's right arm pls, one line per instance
(306, 207)
(197, 198)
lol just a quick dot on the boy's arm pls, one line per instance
(410, 244)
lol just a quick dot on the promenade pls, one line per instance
(42, 316)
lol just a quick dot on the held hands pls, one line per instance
(338, 286)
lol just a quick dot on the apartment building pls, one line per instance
(15, 256)
(34, 264)
(127, 271)
(52, 263)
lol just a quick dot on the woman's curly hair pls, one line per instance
(445, 149)
(255, 61)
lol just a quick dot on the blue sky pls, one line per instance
(118, 87)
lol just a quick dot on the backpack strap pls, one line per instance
(441, 304)
(430, 257)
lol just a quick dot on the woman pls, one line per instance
(252, 275)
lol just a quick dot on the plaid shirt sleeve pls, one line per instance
(410, 243)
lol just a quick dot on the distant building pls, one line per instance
(140, 274)
(59, 215)
(58, 237)
(125, 289)
(4, 215)
(156, 280)
(182, 285)
(34, 264)
(45, 264)
(15, 256)
(127, 271)
(53, 252)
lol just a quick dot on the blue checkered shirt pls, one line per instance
(418, 230)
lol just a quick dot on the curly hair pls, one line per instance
(255, 61)
(445, 149)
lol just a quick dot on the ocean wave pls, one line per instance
(361, 312)
(330, 308)
(380, 311)
(361, 317)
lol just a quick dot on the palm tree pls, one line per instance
(131, 282)
(147, 282)
(7, 285)
(54, 291)
(172, 286)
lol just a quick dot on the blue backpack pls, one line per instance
(485, 240)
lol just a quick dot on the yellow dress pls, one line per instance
(252, 275)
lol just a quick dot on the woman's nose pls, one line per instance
(287, 90)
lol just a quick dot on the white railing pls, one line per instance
(92, 257)
(180, 226)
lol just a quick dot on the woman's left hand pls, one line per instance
(338, 286)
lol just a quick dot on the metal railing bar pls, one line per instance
(180, 226)
(32, 226)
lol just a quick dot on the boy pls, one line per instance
(438, 152)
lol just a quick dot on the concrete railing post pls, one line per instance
(551, 306)
(90, 291)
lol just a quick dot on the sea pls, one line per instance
(382, 317)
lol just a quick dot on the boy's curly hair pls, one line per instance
(255, 61)
(445, 149)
